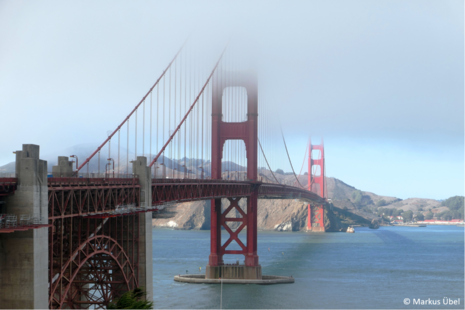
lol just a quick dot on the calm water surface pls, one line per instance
(368, 269)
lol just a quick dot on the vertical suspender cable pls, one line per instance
(203, 113)
(190, 116)
(135, 140)
(127, 151)
(109, 150)
(170, 153)
(164, 117)
(158, 96)
(174, 111)
(178, 138)
(150, 156)
(185, 124)
(143, 129)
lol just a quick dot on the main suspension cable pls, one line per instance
(190, 109)
(132, 112)
(303, 163)
(285, 146)
(267, 161)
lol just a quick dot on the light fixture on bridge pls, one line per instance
(76, 162)
(111, 159)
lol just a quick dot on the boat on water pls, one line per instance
(350, 229)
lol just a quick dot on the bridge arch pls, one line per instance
(100, 261)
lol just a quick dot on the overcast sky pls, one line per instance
(382, 81)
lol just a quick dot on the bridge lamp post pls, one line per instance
(201, 174)
(174, 172)
(132, 161)
(228, 173)
(163, 170)
(156, 172)
(106, 169)
(113, 165)
(76, 162)
(185, 169)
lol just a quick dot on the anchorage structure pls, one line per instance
(316, 184)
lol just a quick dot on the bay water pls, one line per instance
(371, 269)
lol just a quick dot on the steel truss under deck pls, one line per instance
(92, 261)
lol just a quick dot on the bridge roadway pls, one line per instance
(100, 197)
(70, 197)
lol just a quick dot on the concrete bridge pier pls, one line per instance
(64, 167)
(24, 254)
(139, 168)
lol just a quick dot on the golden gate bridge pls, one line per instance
(87, 227)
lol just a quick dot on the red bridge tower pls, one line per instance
(221, 132)
(316, 184)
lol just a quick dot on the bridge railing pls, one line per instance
(94, 181)
(90, 175)
(8, 184)
(7, 175)
(184, 181)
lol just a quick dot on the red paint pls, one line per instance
(316, 184)
(8, 186)
(248, 132)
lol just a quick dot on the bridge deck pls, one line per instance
(8, 185)
(110, 197)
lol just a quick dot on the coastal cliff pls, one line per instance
(278, 215)
(349, 206)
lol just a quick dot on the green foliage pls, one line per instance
(456, 207)
(429, 215)
(132, 300)
(408, 216)
(420, 217)
(366, 209)
(381, 203)
(446, 215)
(454, 203)
(280, 171)
(390, 211)
(357, 197)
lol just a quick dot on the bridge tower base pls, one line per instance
(24, 254)
(139, 167)
(216, 268)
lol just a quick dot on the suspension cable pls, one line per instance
(190, 109)
(137, 106)
(303, 163)
(290, 159)
(267, 161)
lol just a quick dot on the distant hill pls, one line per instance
(342, 195)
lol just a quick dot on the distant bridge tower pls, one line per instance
(316, 184)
